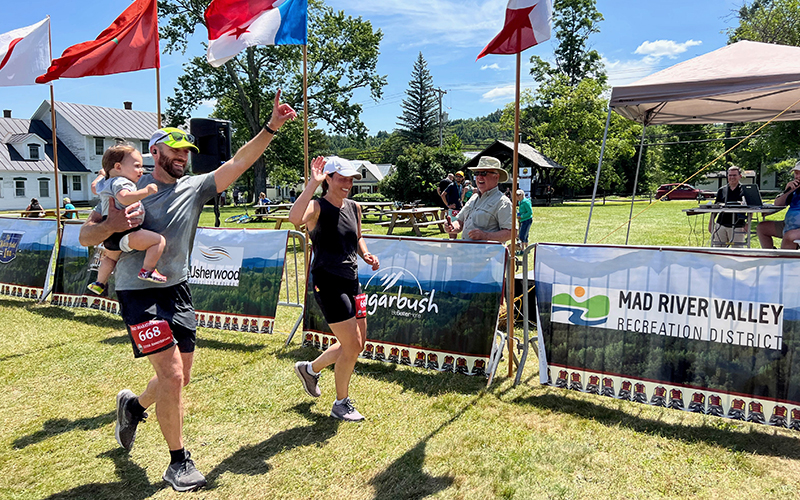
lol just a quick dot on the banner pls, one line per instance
(235, 277)
(432, 303)
(26, 248)
(698, 330)
(76, 267)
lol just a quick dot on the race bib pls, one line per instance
(152, 336)
(361, 306)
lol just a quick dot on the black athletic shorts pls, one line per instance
(112, 242)
(172, 304)
(335, 295)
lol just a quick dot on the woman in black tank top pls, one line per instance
(334, 224)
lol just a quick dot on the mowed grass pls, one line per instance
(255, 434)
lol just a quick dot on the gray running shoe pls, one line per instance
(346, 411)
(310, 382)
(184, 476)
(125, 431)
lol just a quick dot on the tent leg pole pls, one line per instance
(597, 176)
(635, 183)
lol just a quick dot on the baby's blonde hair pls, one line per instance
(115, 154)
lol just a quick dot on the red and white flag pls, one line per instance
(24, 54)
(129, 44)
(527, 24)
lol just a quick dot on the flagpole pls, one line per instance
(53, 126)
(513, 261)
(158, 94)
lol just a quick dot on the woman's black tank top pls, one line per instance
(335, 239)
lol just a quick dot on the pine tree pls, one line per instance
(419, 124)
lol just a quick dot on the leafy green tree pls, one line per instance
(418, 171)
(342, 56)
(574, 21)
(418, 123)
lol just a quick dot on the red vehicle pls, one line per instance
(683, 192)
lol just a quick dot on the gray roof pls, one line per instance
(11, 160)
(504, 151)
(98, 121)
(21, 138)
(533, 155)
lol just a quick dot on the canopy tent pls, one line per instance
(743, 82)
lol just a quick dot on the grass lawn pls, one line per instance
(255, 434)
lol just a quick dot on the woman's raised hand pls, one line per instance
(318, 169)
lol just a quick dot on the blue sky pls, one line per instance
(636, 39)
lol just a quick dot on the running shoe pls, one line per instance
(154, 276)
(127, 422)
(310, 382)
(346, 411)
(184, 476)
(96, 288)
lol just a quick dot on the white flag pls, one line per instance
(24, 54)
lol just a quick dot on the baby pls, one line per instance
(122, 168)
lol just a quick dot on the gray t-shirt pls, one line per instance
(173, 212)
(109, 188)
(490, 212)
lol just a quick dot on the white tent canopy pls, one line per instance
(743, 82)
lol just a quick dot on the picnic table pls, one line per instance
(416, 218)
(278, 211)
(379, 208)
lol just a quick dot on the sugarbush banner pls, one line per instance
(26, 249)
(705, 331)
(234, 276)
(432, 303)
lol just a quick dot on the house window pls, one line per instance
(144, 147)
(64, 185)
(99, 146)
(19, 187)
(34, 151)
(44, 188)
(364, 173)
(1, 187)
(76, 183)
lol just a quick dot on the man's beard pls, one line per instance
(168, 166)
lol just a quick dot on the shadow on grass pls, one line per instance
(252, 460)
(405, 477)
(133, 482)
(418, 380)
(55, 312)
(715, 432)
(57, 426)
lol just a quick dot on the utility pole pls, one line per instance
(440, 92)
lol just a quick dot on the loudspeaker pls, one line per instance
(213, 138)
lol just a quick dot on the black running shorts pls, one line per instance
(335, 295)
(172, 304)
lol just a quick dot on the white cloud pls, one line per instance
(209, 103)
(504, 94)
(494, 66)
(665, 48)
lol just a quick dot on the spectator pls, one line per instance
(728, 228)
(789, 228)
(69, 209)
(443, 186)
(34, 209)
(525, 216)
(452, 197)
(486, 217)
(466, 192)
(292, 196)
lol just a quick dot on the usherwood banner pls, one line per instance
(704, 331)
(234, 276)
(432, 303)
(26, 249)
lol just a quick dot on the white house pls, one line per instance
(371, 174)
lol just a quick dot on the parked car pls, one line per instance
(683, 192)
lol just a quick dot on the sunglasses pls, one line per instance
(176, 136)
(484, 173)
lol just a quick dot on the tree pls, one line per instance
(574, 21)
(768, 21)
(418, 171)
(418, 123)
(342, 56)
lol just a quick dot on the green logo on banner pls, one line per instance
(587, 312)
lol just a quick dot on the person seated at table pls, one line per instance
(69, 209)
(789, 228)
(728, 229)
(262, 200)
(34, 209)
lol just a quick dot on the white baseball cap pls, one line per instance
(796, 166)
(341, 167)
